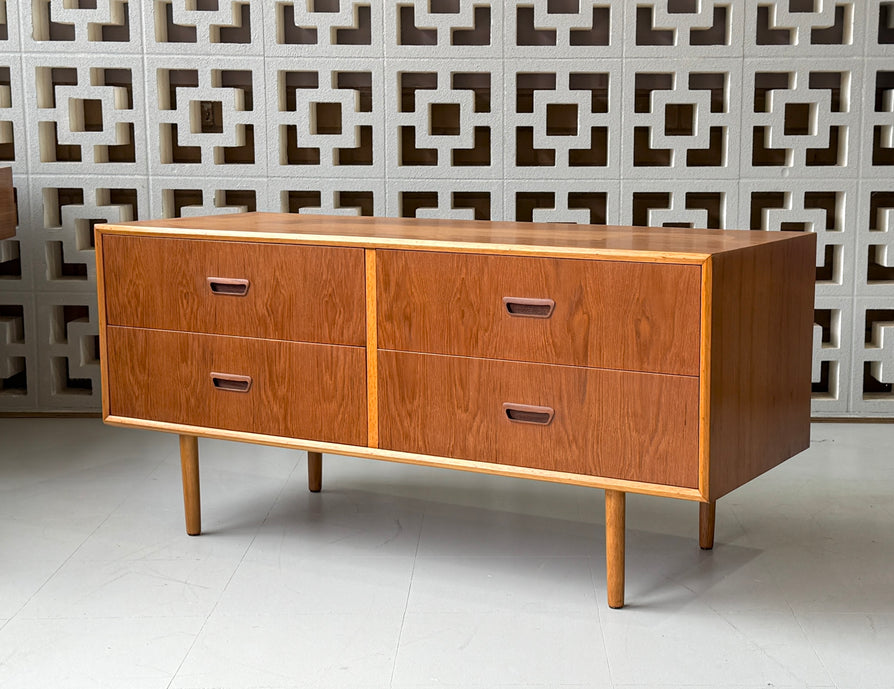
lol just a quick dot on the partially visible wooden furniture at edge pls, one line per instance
(661, 361)
(7, 204)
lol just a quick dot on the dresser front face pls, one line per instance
(568, 366)
(237, 336)
(581, 366)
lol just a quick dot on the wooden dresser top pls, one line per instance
(607, 242)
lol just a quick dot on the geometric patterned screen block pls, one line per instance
(771, 115)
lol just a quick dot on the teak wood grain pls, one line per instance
(761, 350)
(299, 293)
(299, 390)
(7, 204)
(633, 316)
(672, 362)
(607, 242)
(617, 424)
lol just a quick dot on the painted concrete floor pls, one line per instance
(401, 576)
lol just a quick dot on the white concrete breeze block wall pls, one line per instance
(735, 114)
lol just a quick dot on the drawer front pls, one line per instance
(298, 390)
(613, 424)
(622, 315)
(276, 291)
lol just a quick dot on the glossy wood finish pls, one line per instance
(761, 349)
(707, 512)
(615, 537)
(166, 376)
(306, 294)
(650, 323)
(314, 471)
(616, 424)
(189, 467)
(660, 361)
(607, 242)
(7, 204)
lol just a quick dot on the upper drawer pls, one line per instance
(604, 314)
(275, 291)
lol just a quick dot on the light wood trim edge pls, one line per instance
(410, 458)
(372, 352)
(101, 316)
(704, 383)
(414, 244)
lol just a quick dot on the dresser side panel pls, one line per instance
(761, 347)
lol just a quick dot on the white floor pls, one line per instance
(400, 576)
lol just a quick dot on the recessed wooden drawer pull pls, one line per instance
(525, 413)
(230, 382)
(529, 308)
(233, 287)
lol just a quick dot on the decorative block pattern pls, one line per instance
(338, 196)
(18, 351)
(832, 354)
(672, 203)
(463, 28)
(707, 28)
(174, 197)
(100, 26)
(564, 28)
(755, 115)
(562, 120)
(800, 118)
(872, 374)
(447, 119)
(455, 199)
(327, 118)
(567, 201)
(210, 117)
(13, 142)
(878, 118)
(874, 272)
(203, 27)
(9, 27)
(829, 209)
(68, 350)
(66, 208)
(336, 27)
(681, 119)
(86, 119)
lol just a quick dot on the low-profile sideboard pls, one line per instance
(672, 362)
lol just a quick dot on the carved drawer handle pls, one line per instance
(231, 382)
(529, 308)
(526, 413)
(232, 287)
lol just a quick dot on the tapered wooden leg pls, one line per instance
(615, 516)
(189, 465)
(315, 471)
(706, 512)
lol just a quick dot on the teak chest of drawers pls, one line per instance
(661, 361)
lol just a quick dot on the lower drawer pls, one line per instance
(298, 390)
(613, 424)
